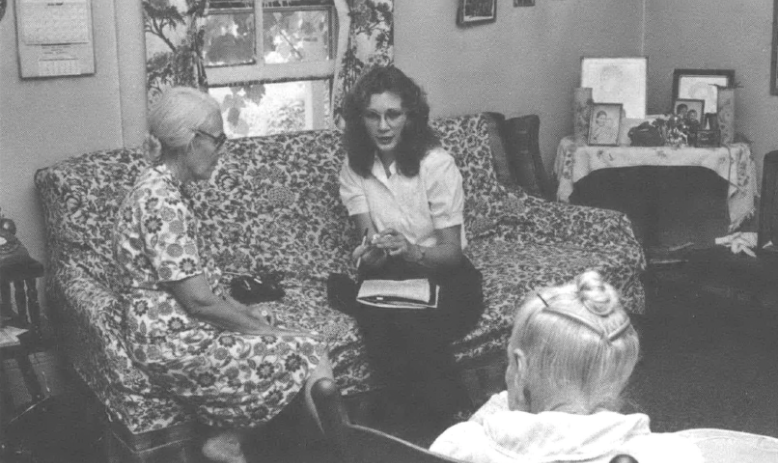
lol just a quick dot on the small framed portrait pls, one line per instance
(690, 110)
(702, 84)
(604, 124)
(476, 12)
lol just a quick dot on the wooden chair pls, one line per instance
(359, 444)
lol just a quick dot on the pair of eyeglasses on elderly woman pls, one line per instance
(217, 141)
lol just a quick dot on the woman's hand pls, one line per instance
(261, 312)
(395, 244)
(368, 254)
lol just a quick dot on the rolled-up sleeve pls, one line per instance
(352, 191)
(443, 183)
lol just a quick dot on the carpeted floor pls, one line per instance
(707, 361)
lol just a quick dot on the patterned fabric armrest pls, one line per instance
(89, 319)
(548, 222)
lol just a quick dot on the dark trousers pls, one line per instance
(408, 345)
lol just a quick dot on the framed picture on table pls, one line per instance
(604, 124)
(702, 84)
(617, 80)
(690, 109)
(476, 12)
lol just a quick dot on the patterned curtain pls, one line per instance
(174, 43)
(370, 42)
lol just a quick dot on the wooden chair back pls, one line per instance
(359, 444)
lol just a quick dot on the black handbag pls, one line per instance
(260, 287)
(646, 134)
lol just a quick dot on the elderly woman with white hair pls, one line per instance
(570, 356)
(224, 359)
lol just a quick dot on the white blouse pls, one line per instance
(414, 206)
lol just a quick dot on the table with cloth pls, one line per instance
(733, 162)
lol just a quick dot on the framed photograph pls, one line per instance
(604, 124)
(690, 109)
(617, 80)
(476, 12)
(702, 84)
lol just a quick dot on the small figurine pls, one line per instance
(7, 224)
(676, 131)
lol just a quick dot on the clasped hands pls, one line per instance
(374, 251)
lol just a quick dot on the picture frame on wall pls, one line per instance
(604, 124)
(702, 84)
(471, 12)
(690, 109)
(617, 80)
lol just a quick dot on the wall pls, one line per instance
(528, 61)
(725, 35)
(45, 120)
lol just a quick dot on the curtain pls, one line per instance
(174, 43)
(370, 42)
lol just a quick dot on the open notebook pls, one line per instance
(418, 293)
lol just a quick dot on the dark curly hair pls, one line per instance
(417, 137)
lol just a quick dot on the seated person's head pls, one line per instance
(572, 349)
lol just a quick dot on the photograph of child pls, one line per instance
(604, 125)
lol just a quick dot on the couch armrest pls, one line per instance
(549, 222)
(88, 320)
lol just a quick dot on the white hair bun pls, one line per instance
(153, 147)
(596, 294)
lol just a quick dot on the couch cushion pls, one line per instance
(513, 270)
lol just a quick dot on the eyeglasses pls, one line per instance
(392, 116)
(218, 141)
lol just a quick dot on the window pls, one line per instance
(271, 63)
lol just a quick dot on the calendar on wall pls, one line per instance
(54, 38)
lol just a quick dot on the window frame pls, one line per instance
(261, 72)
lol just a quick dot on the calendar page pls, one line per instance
(55, 38)
(47, 23)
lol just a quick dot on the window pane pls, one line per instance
(293, 36)
(266, 109)
(229, 39)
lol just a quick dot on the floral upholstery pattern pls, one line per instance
(272, 204)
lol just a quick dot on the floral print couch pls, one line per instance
(273, 204)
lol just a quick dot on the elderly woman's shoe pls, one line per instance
(224, 448)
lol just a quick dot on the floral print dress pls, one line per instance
(230, 379)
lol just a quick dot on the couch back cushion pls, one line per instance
(487, 201)
(273, 203)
